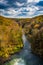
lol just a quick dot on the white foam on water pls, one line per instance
(19, 61)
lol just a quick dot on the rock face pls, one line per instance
(10, 38)
(34, 32)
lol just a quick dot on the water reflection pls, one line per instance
(25, 57)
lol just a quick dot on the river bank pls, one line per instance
(25, 57)
(10, 58)
(10, 38)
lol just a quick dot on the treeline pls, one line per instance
(33, 29)
(10, 38)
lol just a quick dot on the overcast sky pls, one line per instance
(21, 8)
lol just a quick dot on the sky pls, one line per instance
(21, 8)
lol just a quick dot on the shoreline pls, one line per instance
(10, 57)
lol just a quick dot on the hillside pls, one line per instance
(10, 38)
(34, 32)
(33, 29)
(11, 35)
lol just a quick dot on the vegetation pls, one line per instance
(10, 38)
(11, 35)
(34, 32)
(33, 28)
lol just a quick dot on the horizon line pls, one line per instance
(21, 17)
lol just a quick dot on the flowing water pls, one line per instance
(25, 57)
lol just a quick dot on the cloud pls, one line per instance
(1, 11)
(4, 2)
(20, 12)
(11, 12)
(17, 9)
(33, 1)
(32, 8)
(1, 1)
(19, 4)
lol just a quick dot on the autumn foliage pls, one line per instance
(34, 33)
(33, 29)
(10, 38)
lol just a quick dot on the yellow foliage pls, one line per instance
(36, 26)
(10, 33)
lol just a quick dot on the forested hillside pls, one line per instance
(34, 33)
(11, 35)
(33, 29)
(10, 38)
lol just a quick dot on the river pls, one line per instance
(25, 57)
